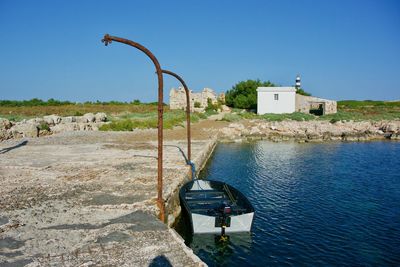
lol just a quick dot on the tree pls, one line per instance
(300, 91)
(244, 94)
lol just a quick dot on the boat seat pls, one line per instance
(191, 192)
(205, 195)
(204, 200)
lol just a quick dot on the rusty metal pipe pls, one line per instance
(189, 150)
(108, 39)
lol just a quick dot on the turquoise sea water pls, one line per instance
(330, 204)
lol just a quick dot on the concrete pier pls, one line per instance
(89, 199)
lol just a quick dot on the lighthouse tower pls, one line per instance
(298, 84)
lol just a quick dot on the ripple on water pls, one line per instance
(316, 204)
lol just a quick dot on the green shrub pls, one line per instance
(211, 106)
(44, 127)
(197, 104)
(130, 121)
(199, 115)
(248, 115)
(33, 102)
(121, 125)
(12, 117)
(300, 91)
(296, 116)
(210, 112)
(231, 117)
(244, 94)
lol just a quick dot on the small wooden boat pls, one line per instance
(216, 207)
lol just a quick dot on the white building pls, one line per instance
(276, 100)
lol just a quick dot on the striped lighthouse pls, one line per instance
(298, 84)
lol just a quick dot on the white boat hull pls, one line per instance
(203, 224)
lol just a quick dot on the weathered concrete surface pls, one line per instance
(89, 198)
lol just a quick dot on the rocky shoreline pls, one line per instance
(311, 131)
(299, 131)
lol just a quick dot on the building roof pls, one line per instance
(276, 89)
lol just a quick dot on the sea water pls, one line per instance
(327, 204)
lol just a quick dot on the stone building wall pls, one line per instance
(305, 103)
(177, 98)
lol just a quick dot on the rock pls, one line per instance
(199, 110)
(69, 119)
(390, 127)
(228, 132)
(237, 126)
(26, 129)
(95, 126)
(90, 117)
(255, 131)
(101, 117)
(81, 119)
(65, 127)
(395, 136)
(5, 134)
(225, 108)
(52, 119)
(5, 124)
(85, 126)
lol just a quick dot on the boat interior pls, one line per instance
(213, 199)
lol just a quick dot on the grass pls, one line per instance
(365, 110)
(126, 116)
(128, 122)
(44, 127)
(123, 116)
(17, 113)
(347, 110)
(231, 117)
(296, 116)
(354, 104)
(15, 117)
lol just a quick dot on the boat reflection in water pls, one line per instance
(212, 249)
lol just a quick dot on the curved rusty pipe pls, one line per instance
(108, 39)
(189, 151)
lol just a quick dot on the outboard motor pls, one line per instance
(227, 210)
(224, 219)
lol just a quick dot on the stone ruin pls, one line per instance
(315, 105)
(177, 99)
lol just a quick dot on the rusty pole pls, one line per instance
(189, 151)
(108, 39)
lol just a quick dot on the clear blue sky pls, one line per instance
(343, 49)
